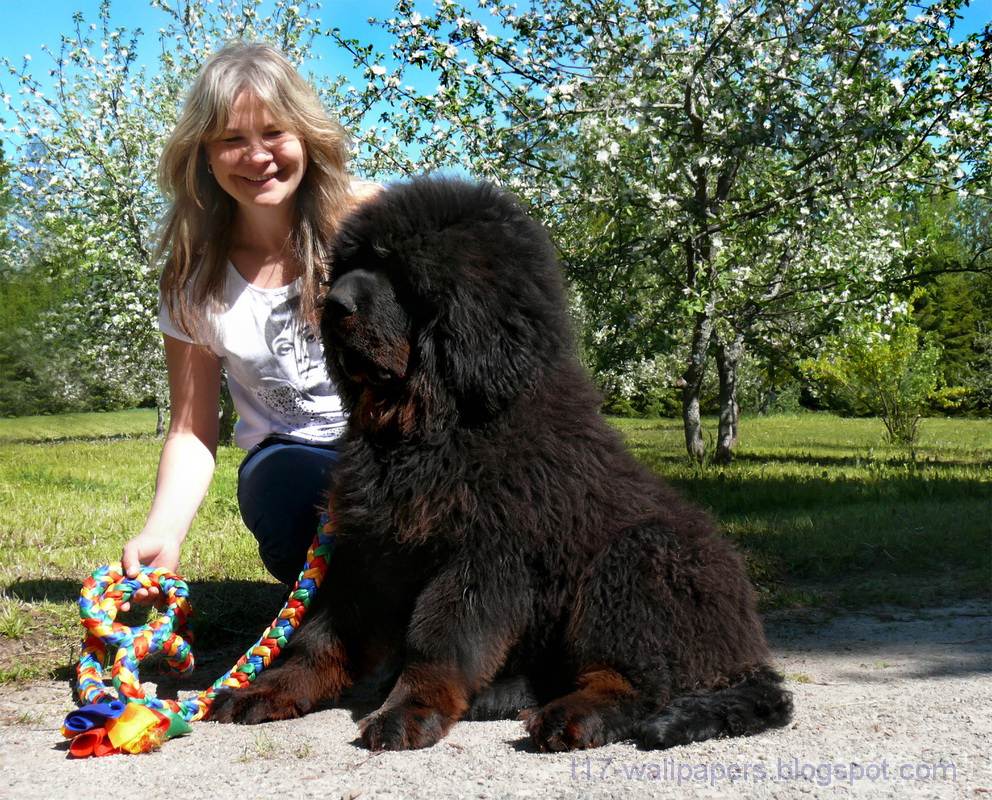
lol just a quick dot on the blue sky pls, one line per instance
(27, 26)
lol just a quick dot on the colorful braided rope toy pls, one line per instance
(134, 721)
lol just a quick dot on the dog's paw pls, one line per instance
(563, 725)
(252, 705)
(403, 727)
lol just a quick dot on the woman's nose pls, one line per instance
(258, 152)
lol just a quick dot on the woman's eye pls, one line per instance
(274, 134)
(231, 139)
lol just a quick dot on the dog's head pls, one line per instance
(445, 303)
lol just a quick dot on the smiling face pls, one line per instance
(256, 159)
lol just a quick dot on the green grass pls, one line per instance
(15, 620)
(73, 490)
(59, 427)
(826, 513)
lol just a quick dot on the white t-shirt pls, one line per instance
(275, 367)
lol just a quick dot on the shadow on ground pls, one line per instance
(229, 616)
(920, 644)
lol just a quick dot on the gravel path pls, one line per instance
(892, 703)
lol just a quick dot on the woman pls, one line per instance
(256, 174)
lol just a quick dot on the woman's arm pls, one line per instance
(187, 461)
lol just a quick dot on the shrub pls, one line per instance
(887, 370)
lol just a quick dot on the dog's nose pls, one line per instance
(340, 304)
(356, 290)
(347, 292)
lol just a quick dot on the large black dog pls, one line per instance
(497, 544)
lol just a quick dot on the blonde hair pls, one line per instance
(196, 234)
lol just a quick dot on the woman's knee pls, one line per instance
(282, 481)
(280, 491)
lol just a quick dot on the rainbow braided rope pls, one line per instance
(101, 596)
(142, 729)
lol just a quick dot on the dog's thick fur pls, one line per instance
(496, 542)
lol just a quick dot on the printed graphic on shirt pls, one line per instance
(300, 357)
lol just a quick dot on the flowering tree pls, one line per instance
(715, 171)
(719, 173)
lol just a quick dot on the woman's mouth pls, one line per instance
(260, 180)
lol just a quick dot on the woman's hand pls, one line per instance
(151, 550)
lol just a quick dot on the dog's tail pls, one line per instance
(754, 704)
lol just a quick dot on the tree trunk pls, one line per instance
(694, 444)
(691, 384)
(728, 356)
(160, 407)
(227, 414)
(768, 398)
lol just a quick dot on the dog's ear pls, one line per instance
(489, 353)
(501, 327)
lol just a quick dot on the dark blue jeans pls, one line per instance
(282, 488)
